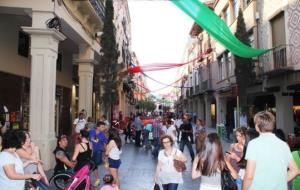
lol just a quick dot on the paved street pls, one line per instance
(138, 167)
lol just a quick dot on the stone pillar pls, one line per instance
(208, 101)
(44, 47)
(201, 109)
(85, 72)
(284, 113)
(221, 109)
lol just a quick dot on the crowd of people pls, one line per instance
(257, 160)
(95, 143)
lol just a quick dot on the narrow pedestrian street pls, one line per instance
(138, 168)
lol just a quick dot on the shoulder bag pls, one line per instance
(227, 181)
(179, 165)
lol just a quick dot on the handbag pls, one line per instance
(227, 181)
(155, 187)
(179, 165)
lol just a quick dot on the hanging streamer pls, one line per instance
(217, 28)
(163, 66)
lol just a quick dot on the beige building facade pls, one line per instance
(48, 51)
(212, 95)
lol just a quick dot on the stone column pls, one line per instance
(221, 109)
(201, 109)
(284, 113)
(208, 101)
(86, 63)
(44, 47)
(85, 73)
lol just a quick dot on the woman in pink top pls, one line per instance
(108, 183)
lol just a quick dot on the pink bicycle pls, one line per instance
(81, 179)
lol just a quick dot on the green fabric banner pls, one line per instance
(217, 28)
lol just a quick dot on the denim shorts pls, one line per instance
(97, 158)
(114, 163)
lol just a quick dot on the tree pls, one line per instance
(243, 66)
(107, 69)
(146, 105)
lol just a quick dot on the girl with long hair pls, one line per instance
(209, 163)
(235, 152)
(113, 152)
(200, 134)
(82, 152)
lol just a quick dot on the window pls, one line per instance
(227, 15)
(278, 38)
(235, 4)
(251, 38)
(23, 46)
(196, 82)
(222, 67)
(231, 65)
(278, 30)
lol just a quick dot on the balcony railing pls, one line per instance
(187, 92)
(191, 91)
(280, 60)
(197, 90)
(99, 8)
(206, 85)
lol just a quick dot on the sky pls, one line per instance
(160, 32)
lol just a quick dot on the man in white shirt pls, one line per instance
(79, 124)
(178, 122)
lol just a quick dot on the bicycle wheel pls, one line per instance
(61, 180)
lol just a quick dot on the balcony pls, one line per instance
(187, 93)
(197, 89)
(192, 91)
(206, 85)
(89, 12)
(99, 8)
(279, 57)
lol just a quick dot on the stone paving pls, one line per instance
(138, 167)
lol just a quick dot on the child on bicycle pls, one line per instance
(108, 183)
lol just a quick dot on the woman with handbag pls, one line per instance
(209, 164)
(170, 165)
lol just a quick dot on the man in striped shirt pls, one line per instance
(156, 135)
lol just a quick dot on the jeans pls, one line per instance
(40, 184)
(128, 135)
(184, 142)
(138, 138)
(146, 138)
(239, 183)
(170, 186)
(156, 145)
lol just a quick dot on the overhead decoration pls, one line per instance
(163, 66)
(217, 28)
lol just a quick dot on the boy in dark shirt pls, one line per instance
(186, 134)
